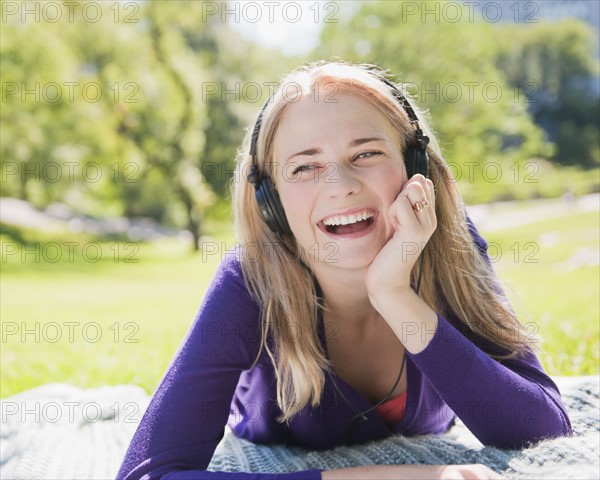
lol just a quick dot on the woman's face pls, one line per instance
(338, 168)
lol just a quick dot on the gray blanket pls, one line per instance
(61, 432)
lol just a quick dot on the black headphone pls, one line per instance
(416, 160)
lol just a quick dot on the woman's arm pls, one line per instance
(504, 404)
(185, 420)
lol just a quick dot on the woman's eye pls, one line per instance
(304, 168)
(367, 155)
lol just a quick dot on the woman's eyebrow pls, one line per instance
(310, 151)
(354, 143)
(361, 141)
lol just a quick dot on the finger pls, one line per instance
(421, 202)
(427, 213)
(496, 476)
(479, 471)
(429, 206)
(412, 243)
(427, 186)
(414, 181)
(415, 191)
(430, 191)
(404, 213)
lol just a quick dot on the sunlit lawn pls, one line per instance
(107, 323)
(544, 270)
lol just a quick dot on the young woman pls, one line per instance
(359, 303)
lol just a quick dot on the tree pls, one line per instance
(553, 66)
(144, 132)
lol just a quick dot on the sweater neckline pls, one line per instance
(364, 403)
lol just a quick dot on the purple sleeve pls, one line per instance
(505, 404)
(186, 417)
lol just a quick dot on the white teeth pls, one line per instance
(345, 220)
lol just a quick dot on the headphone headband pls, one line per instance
(422, 140)
(256, 130)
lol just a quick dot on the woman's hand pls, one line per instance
(413, 218)
(414, 472)
(390, 270)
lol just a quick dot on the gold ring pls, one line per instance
(419, 206)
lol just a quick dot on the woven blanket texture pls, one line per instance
(57, 431)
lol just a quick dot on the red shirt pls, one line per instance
(392, 411)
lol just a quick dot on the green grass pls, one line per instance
(101, 323)
(543, 268)
(142, 310)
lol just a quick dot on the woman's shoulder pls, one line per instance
(229, 312)
(228, 274)
(479, 241)
(228, 279)
(230, 266)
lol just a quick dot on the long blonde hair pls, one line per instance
(463, 287)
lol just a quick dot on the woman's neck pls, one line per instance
(345, 297)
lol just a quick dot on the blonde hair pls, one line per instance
(464, 288)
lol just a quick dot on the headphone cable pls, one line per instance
(361, 415)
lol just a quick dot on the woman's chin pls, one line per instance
(344, 256)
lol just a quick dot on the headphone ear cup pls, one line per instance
(423, 163)
(265, 206)
(410, 161)
(271, 207)
(416, 160)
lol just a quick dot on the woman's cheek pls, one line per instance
(297, 215)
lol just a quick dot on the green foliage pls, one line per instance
(119, 121)
(552, 64)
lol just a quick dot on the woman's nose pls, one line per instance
(341, 180)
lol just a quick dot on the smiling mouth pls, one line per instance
(350, 228)
(345, 225)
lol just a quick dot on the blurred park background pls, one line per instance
(120, 122)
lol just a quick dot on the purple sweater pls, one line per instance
(505, 404)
